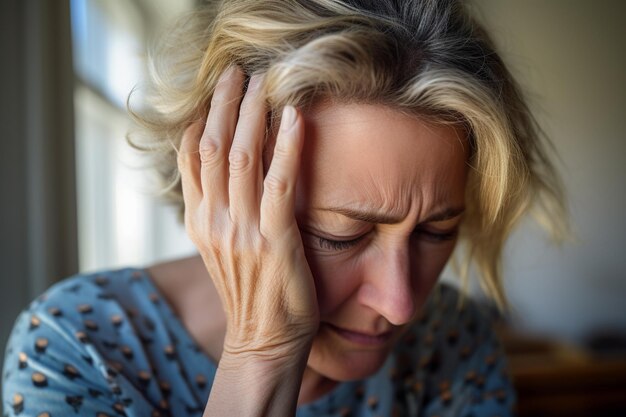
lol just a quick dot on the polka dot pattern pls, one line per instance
(107, 345)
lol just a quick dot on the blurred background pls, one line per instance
(74, 198)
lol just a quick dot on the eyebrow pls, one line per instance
(384, 218)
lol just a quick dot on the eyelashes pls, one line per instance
(439, 236)
(428, 236)
(338, 244)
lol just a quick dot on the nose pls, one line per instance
(387, 285)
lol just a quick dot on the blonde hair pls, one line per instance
(424, 57)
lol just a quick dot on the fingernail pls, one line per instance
(289, 118)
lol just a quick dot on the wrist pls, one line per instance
(268, 343)
(257, 383)
(257, 357)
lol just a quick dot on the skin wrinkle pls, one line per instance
(367, 156)
(460, 78)
(365, 288)
(386, 194)
(383, 191)
(374, 194)
(444, 86)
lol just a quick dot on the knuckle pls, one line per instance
(240, 160)
(276, 187)
(188, 147)
(261, 244)
(270, 233)
(209, 151)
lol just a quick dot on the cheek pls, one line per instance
(335, 279)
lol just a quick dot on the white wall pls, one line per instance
(570, 55)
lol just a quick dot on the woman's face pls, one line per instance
(379, 201)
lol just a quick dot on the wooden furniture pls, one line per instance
(555, 379)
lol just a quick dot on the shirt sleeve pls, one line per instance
(52, 369)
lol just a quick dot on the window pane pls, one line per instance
(119, 223)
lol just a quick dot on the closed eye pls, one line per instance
(338, 244)
(428, 235)
(436, 237)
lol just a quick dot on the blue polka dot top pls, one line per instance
(108, 344)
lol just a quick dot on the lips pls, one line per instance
(361, 338)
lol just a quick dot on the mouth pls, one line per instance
(363, 339)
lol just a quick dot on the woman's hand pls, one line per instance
(244, 226)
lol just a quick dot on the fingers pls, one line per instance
(189, 164)
(246, 171)
(217, 137)
(224, 167)
(278, 200)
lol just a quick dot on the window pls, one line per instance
(119, 223)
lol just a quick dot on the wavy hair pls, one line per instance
(428, 58)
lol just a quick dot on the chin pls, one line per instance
(341, 363)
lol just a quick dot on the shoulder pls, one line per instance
(62, 348)
(84, 305)
(75, 307)
(458, 359)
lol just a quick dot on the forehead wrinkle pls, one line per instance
(407, 196)
(384, 200)
(399, 184)
(388, 197)
(423, 192)
(364, 197)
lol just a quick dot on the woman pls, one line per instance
(327, 155)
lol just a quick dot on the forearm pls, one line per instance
(253, 386)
